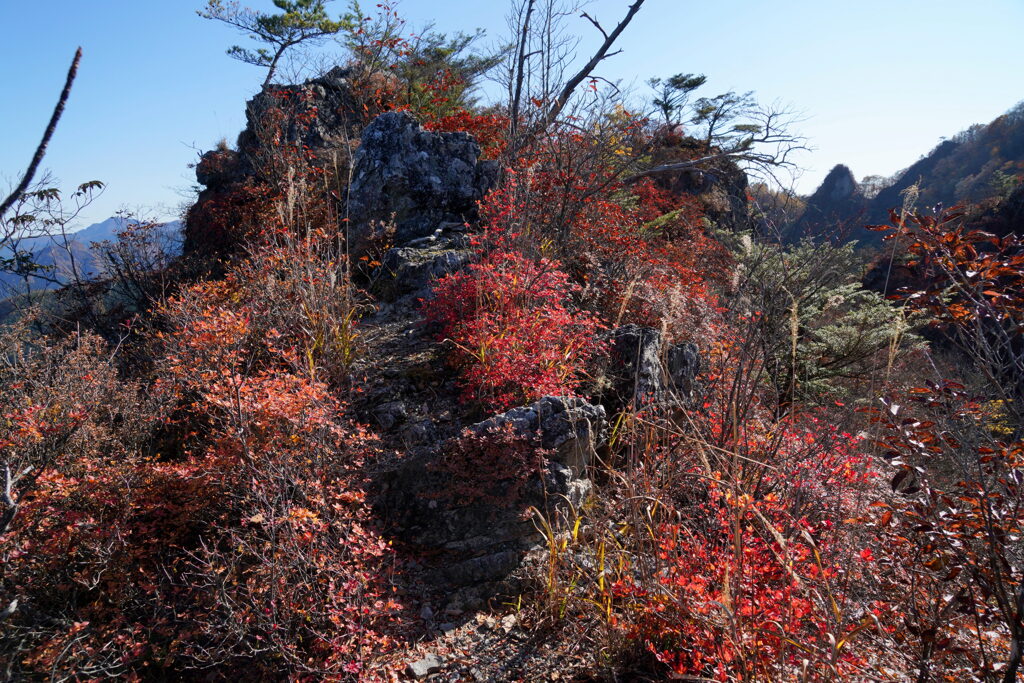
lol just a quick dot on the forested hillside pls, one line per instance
(978, 167)
(530, 390)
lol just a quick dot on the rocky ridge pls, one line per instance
(413, 197)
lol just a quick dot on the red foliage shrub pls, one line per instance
(253, 549)
(72, 439)
(949, 530)
(751, 580)
(517, 334)
(291, 556)
(489, 130)
(636, 263)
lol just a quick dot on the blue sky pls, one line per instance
(878, 82)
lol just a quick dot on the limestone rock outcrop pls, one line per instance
(485, 541)
(644, 370)
(414, 180)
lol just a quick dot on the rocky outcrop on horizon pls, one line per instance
(834, 208)
(979, 166)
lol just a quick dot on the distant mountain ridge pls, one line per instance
(60, 256)
(981, 164)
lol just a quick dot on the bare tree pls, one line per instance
(600, 55)
(730, 126)
(516, 91)
(759, 138)
(34, 210)
(539, 67)
(41, 220)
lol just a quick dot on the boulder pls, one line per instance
(414, 179)
(683, 366)
(571, 428)
(218, 167)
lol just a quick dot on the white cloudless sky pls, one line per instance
(878, 82)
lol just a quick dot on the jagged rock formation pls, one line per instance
(834, 209)
(228, 210)
(570, 427)
(322, 115)
(317, 122)
(406, 182)
(973, 167)
(414, 180)
(645, 371)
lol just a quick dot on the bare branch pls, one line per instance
(594, 21)
(520, 71)
(611, 85)
(37, 158)
(602, 53)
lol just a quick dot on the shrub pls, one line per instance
(731, 559)
(247, 545)
(822, 335)
(489, 130)
(516, 332)
(285, 575)
(73, 441)
(635, 263)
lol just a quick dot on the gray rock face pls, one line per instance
(637, 372)
(415, 178)
(683, 365)
(391, 413)
(571, 427)
(320, 115)
(487, 542)
(423, 183)
(644, 370)
(412, 270)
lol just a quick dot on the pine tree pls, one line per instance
(300, 21)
